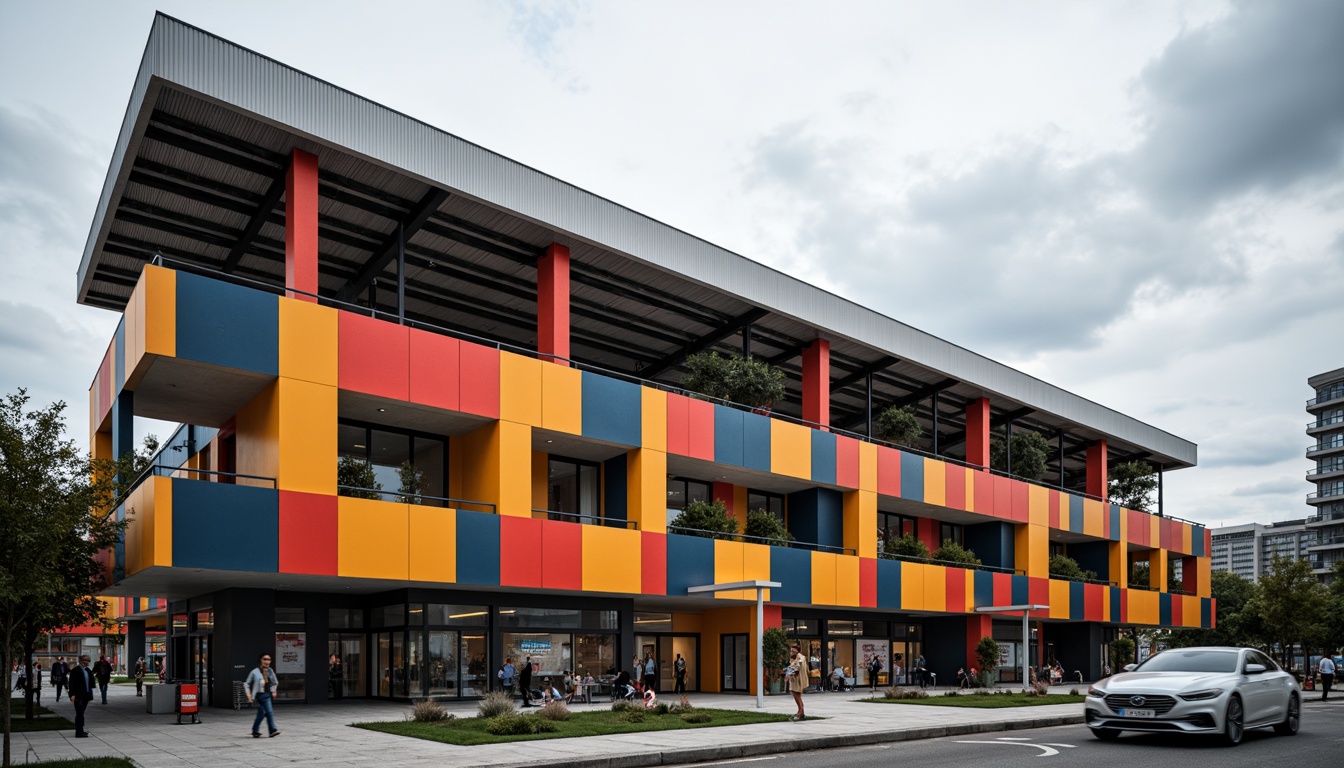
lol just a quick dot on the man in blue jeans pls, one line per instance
(260, 687)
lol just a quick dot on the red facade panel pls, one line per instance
(678, 425)
(700, 418)
(520, 540)
(888, 471)
(955, 486)
(1054, 510)
(1003, 497)
(1093, 602)
(478, 379)
(1021, 501)
(927, 529)
(846, 462)
(954, 587)
(374, 357)
(1003, 589)
(308, 533)
(434, 370)
(561, 555)
(984, 494)
(867, 582)
(1038, 590)
(653, 563)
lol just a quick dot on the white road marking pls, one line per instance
(744, 760)
(1047, 750)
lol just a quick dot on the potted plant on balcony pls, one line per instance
(906, 547)
(898, 425)
(1065, 567)
(707, 519)
(987, 654)
(952, 553)
(766, 526)
(742, 380)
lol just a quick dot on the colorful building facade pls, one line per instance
(432, 420)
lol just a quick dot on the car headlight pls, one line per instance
(1095, 691)
(1204, 695)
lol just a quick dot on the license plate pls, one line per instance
(1127, 712)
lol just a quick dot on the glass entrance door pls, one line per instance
(200, 665)
(349, 648)
(735, 663)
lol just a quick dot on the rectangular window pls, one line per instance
(389, 616)
(290, 658)
(385, 463)
(289, 616)
(345, 618)
(179, 623)
(441, 614)
(893, 526)
(205, 622)
(557, 618)
(681, 491)
(770, 502)
(951, 532)
(573, 490)
(653, 622)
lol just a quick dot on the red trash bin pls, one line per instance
(188, 702)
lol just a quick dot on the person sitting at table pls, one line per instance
(621, 688)
(838, 679)
(549, 692)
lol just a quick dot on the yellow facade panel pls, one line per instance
(646, 494)
(1059, 599)
(823, 578)
(912, 586)
(935, 482)
(308, 342)
(790, 449)
(134, 342)
(1038, 505)
(756, 565)
(868, 467)
(520, 389)
(935, 588)
(433, 544)
(562, 399)
(653, 419)
(971, 475)
(860, 522)
(846, 580)
(308, 424)
(1031, 548)
(603, 572)
(373, 539)
(728, 561)
(160, 315)
(1119, 561)
(1093, 522)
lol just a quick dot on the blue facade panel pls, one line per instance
(912, 476)
(1021, 590)
(823, 457)
(1164, 609)
(1116, 512)
(1075, 513)
(984, 589)
(612, 410)
(227, 325)
(690, 563)
(477, 548)
(225, 527)
(889, 584)
(792, 568)
(1077, 601)
(728, 445)
(756, 441)
(817, 516)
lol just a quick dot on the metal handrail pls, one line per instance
(742, 537)
(161, 260)
(609, 522)
(1325, 470)
(159, 470)
(451, 502)
(1102, 582)
(1334, 393)
(1325, 422)
(1325, 494)
(950, 563)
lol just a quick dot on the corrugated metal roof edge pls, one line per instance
(583, 215)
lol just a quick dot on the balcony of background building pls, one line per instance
(1332, 395)
(1330, 491)
(1328, 422)
(1326, 470)
(1330, 444)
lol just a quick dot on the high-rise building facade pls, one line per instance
(1327, 451)
(432, 419)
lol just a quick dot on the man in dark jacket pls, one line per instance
(525, 682)
(81, 693)
(59, 672)
(103, 671)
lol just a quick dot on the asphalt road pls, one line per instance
(1319, 744)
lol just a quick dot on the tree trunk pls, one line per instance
(5, 664)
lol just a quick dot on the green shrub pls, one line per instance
(746, 381)
(1065, 567)
(494, 704)
(952, 552)
(631, 716)
(987, 654)
(696, 717)
(429, 712)
(554, 710)
(1030, 450)
(514, 724)
(899, 426)
(627, 706)
(906, 547)
(896, 692)
(774, 651)
(764, 525)
(709, 519)
(660, 709)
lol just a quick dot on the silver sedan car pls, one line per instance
(1196, 690)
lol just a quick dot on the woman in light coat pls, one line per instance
(798, 674)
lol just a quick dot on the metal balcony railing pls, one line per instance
(376, 494)
(1325, 470)
(1333, 393)
(810, 545)
(950, 563)
(1326, 421)
(1333, 441)
(575, 517)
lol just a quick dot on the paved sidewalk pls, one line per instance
(320, 734)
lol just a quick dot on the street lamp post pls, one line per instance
(760, 587)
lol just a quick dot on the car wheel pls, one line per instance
(1234, 726)
(1105, 734)
(1291, 719)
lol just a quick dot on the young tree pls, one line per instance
(761, 524)
(898, 425)
(987, 654)
(1030, 450)
(1132, 485)
(1065, 567)
(952, 552)
(906, 547)
(1290, 606)
(56, 513)
(743, 380)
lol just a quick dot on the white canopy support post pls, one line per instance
(760, 587)
(1026, 631)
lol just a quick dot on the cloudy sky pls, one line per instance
(1141, 202)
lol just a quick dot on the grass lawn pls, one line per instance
(986, 700)
(43, 719)
(16, 708)
(471, 730)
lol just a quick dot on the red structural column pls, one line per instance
(553, 303)
(977, 432)
(1096, 469)
(978, 625)
(301, 225)
(817, 382)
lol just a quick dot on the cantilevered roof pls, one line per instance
(197, 176)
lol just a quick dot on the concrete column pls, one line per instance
(977, 432)
(553, 303)
(301, 225)
(1096, 470)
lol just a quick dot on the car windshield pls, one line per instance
(1191, 661)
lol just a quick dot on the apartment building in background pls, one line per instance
(1327, 450)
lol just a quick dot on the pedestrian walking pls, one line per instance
(525, 682)
(102, 670)
(506, 674)
(798, 674)
(260, 689)
(679, 670)
(140, 669)
(36, 685)
(650, 672)
(922, 672)
(59, 672)
(81, 693)
(874, 670)
(1327, 670)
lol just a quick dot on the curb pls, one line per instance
(707, 754)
